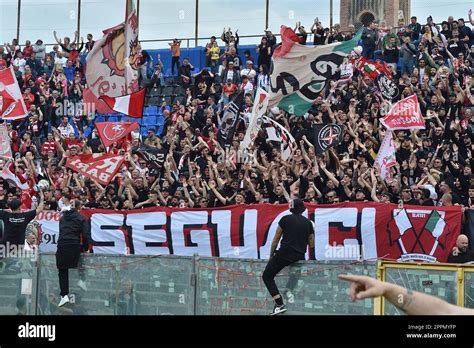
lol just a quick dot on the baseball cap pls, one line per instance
(249, 62)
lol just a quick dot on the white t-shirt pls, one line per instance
(66, 130)
(61, 61)
(20, 63)
(250, 73)
(247, 88)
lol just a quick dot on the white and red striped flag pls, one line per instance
(131, 104)
(386, 157)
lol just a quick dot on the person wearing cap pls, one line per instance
(15, 221)
(249, 71)
(296, 233)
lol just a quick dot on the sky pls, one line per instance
(166, 19)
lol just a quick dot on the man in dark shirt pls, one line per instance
(369, 37)
(15, 222)
(461, 253)
(407, 197)
(297, 232)
(74, 237)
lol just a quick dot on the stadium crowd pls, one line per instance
(434, 166)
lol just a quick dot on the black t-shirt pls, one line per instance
(468, 256)
(14, 225)
(296, 230)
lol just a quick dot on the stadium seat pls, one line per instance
(179, 90)
(154, 92)
(150, 110)
(167, 72)
(99, 118)
(169, 81)
(144, 131)
(160, 120)
(160, 130)
(149, 121)
(125, 118)
(168, 90)
(181, 99)
(113, 118)
(169, 99)
(154, 101)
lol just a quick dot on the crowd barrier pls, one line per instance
(175, 285)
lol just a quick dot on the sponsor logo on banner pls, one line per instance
(346, 231)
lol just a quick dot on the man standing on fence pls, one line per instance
(297, 232)
(74, 237)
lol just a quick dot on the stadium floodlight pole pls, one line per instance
(196, 27)
(331, 14)
(267, 8)
(78, 21)
(18, 21)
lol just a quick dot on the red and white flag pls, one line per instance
(99, 167)
(7, 174)
(386, 157)
(131, 105)
(5, 148)
(276, 132)
(405, 114)
(112, 132)
(112, 64)
(12, 105)
(259, 109)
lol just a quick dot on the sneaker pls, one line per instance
(279, 309)
(82, 285)
(64, 300)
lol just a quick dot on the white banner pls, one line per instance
(259, 109)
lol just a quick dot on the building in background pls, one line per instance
(361, 12)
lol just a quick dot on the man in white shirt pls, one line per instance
(60, 59)
(20, 62)
(249, 72)
(65, 127)
(247, 86)
(30, 242)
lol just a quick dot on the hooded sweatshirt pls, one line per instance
(74, 229)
